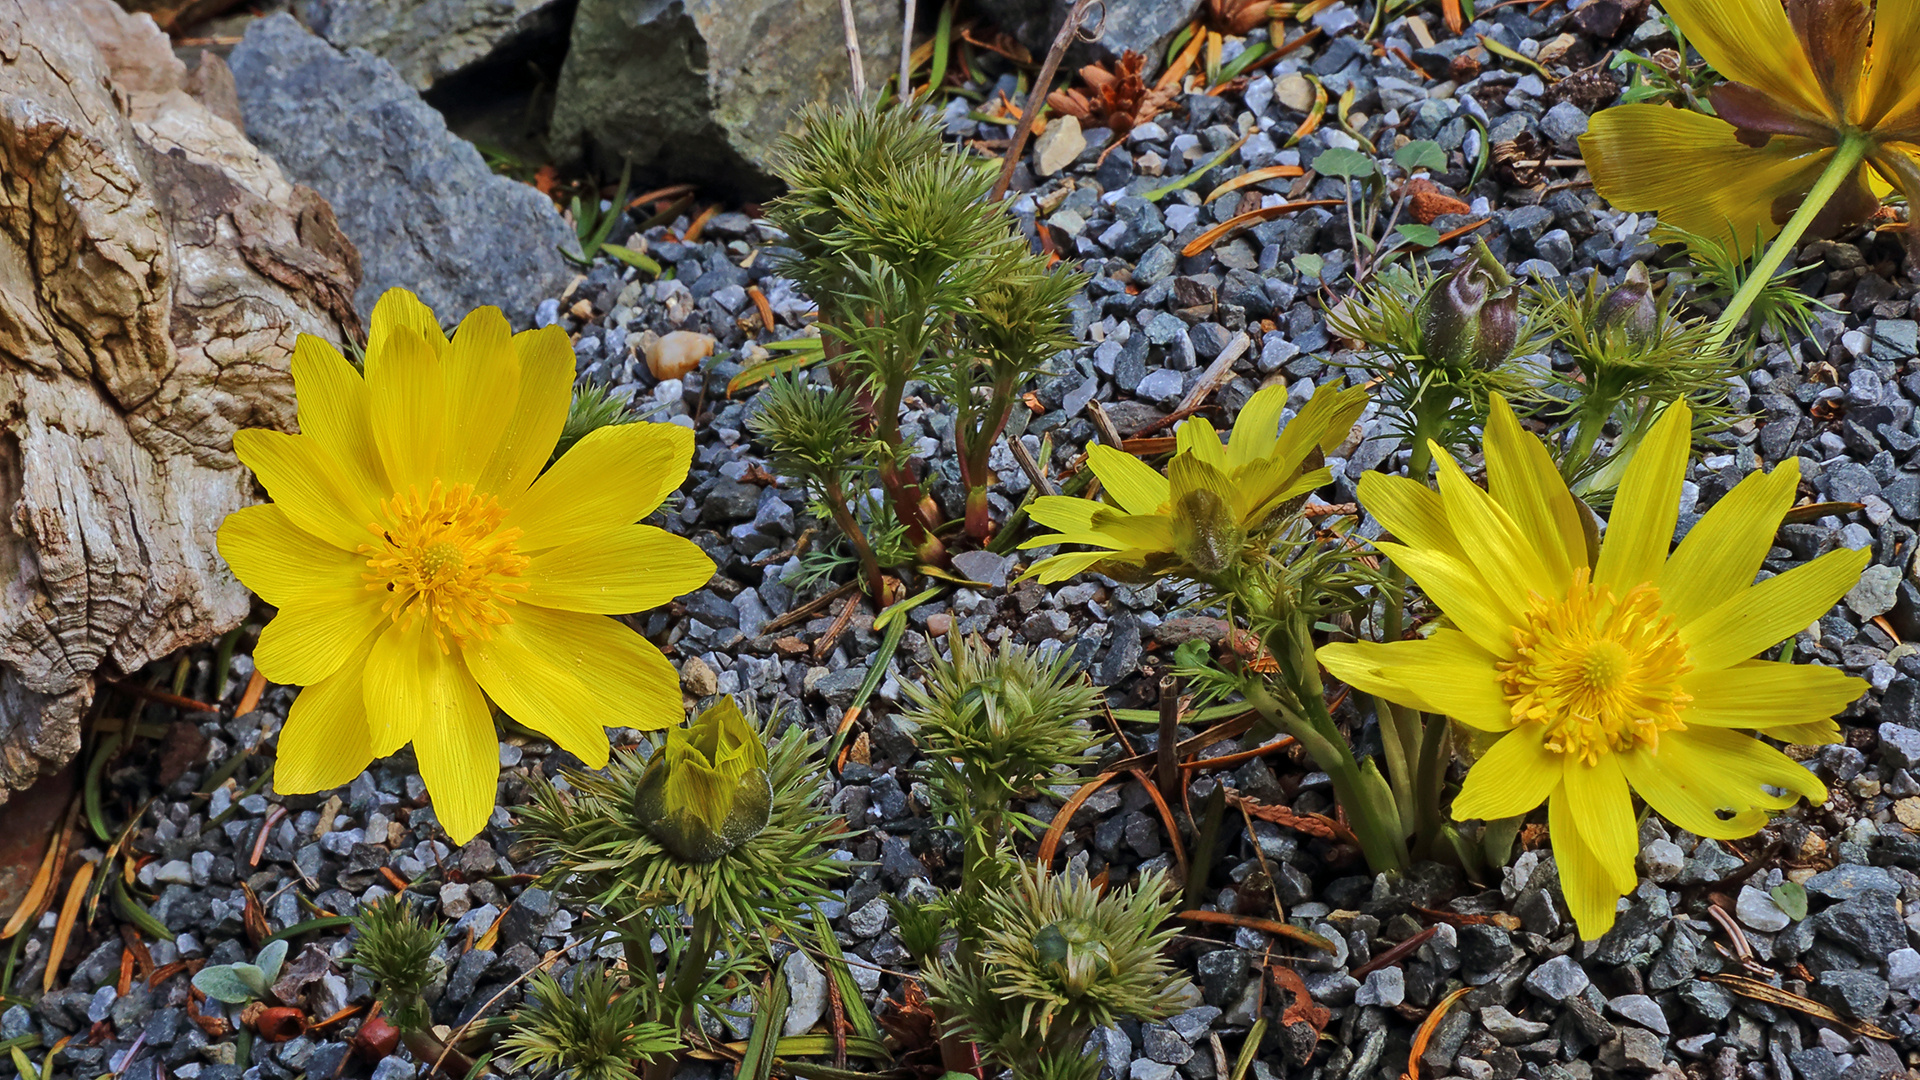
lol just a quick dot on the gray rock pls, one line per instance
(427, 40)
(1161, 387)
(1558, 979)
(984, 567)
(1640, 1009)
(1758, 911)
(1510, 1029)
(1879, 587)
(1869, 924)
(807, 985)
(418, 202)
(1386, 987)
(1848, 881)
(1563, 124)
(1633, 1048)
(1857, 993)
(701, 90)
(1900, 745)
(870, 918)
(1662, 860)
(1144, 26)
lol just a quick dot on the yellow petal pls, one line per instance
(613, 477)
(1197, 436)
(1891, 88)
(309, 640)
(311, 487)
(283, 562)
(397, 308)
(1257, 427)
(1460, 592)
(1323, 423)
(1132, 482)
(1258, 494)
(1772, 611)
(1515, 775)
(481, 370)
(569, 675)
(1723, 552)
(1816, 733)
(1640, 530)
(1584, 881)
(1411, 512)
(1061, 567)
(408, 394)
(1525, 483)
(1447, 673)
(1154, 532)
(1676, 162)
(633, 568)
(1506, 558)
(1598, 801)
(1371, 668)
(1709, 781)
(1751, 41)
(1062, 512)
(539, 412)
(325, 743)
(1766, 694)
(336, 410)
(412, 685)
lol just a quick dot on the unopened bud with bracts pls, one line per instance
(1470, 317)
(705, 791)
(1630, 310)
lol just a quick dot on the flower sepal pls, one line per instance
(705, 790)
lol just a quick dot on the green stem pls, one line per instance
(1380, 841)
(836, 500)
(1846, 158)
(1431, 775)
(1400, 727)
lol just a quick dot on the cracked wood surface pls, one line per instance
(155, 269)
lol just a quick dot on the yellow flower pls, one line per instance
(705, 790)
(423, 563)
(1625, 672)
(1199, 513)
(1803, 79)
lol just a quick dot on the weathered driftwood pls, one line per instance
(155, 270)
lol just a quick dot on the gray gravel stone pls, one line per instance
(1758, 911)
(418, 202)
(1558, 979)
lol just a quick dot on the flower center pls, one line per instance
(1602, 674)
(443, 557)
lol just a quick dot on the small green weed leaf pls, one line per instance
(1340, 161)
(272, 955)
(1309, 264)
(223, 982)
(1419, 235)
(1792, 898)
(1420, 154)
(632, 258)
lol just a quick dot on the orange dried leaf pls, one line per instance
(1255, 176)
(1246, 221)
(63, 930)
(1427, 1027)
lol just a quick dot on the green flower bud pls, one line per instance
(705, 791)
(1630, 310)
(1470, 317)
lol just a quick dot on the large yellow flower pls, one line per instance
(424, 563)
(1803, 79)
(1198, 514)
(1601, 674)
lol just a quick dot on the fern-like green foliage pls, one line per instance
(394, 946)
(601, 1029)
(1781, 307)
(592, 408)
(1059, 959)
(995, 725)
(809, 431)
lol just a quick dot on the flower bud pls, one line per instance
(705, 791)
(1468, 318)
(1629, 309)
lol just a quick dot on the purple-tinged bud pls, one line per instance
(1469, 318)
(1630, 309)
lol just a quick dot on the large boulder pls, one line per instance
(701, 90)
(155, 269)
(418, 201)
(1142, 26)
(427, 41)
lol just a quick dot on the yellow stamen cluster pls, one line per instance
(444, 557)
(1602, 674)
